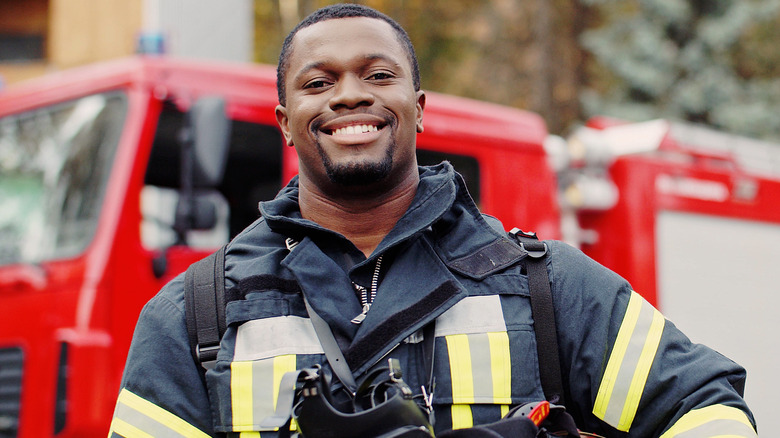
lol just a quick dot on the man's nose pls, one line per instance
(351, 92)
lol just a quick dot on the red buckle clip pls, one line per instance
(539, 412)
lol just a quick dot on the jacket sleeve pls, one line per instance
(627, 370)
(163, 393)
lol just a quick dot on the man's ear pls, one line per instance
(284, 124)
(420, 108)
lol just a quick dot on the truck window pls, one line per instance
(54, 167)
(465, 165)
(253, 174)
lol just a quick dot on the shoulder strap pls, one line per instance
(331, 348)
(544, 317)
(204, 306)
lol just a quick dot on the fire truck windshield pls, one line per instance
(54, 167)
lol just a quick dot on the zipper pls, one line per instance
(367, 299)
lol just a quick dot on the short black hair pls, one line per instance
(342, 10)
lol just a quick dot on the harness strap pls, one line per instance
(331, 347)
(543, 314)
(204, 307)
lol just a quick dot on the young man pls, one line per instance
(383, 248)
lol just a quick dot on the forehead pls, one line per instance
(339, 39)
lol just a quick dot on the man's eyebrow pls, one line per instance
(322, 65)
(309, 67)
(383, 57)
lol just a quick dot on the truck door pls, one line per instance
(55, 167)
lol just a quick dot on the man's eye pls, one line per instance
(315, 84)
(380, 76)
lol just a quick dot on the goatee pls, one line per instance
(358, 173)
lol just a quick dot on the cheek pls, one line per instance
(301, 115)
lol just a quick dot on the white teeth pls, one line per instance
(351, 130)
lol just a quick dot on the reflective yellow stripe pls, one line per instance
(501, 367)
(460, 370)
(241, 395)
(249, 435)
(135, 416)
(616, 358)
(254, 389)
(126, 430)
(461, 416)
(716, 420)
(504, 410)
(282, 365)
(480, 367)
(649, 350)
(629, 364)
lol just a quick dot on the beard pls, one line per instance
(358, 173)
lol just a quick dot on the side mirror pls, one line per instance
(210, 130)
(204, 144)
(204, 213)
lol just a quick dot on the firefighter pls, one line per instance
(381, 248)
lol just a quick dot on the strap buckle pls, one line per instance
(517, 233)
(530, 243)
(207, 355)
(535, 250)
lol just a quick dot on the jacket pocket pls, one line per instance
(257, 349)
(485, 362)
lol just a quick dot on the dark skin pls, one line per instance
(352, 111)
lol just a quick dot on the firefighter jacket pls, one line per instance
(626, 370)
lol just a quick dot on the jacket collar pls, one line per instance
(442, 207)
(436, 193)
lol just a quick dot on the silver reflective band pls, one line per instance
(137, 417)
(712, 421)
(269, 337)
(629, 364)
(472, 315)
(726, 428)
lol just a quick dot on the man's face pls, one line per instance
(352, 112)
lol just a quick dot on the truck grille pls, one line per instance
(11, 359)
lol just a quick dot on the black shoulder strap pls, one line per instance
(544, 317)
(204, 306)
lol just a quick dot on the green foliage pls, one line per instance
(514, 52)
(712, 62)
(708, 61)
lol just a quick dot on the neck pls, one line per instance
(365, 219)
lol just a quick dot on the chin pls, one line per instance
(357, 174)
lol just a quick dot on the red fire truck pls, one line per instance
(691, 217)
(115, 177)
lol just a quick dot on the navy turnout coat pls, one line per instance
(627, 371)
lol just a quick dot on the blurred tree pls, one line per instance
(713, 62)
(514, 52)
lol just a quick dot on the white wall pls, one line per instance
(719, 282)
(210, 29)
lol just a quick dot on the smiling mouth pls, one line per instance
(354, 129)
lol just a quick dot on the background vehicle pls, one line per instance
(111, 183)
(693, 222)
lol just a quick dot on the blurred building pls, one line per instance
(39, 36)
